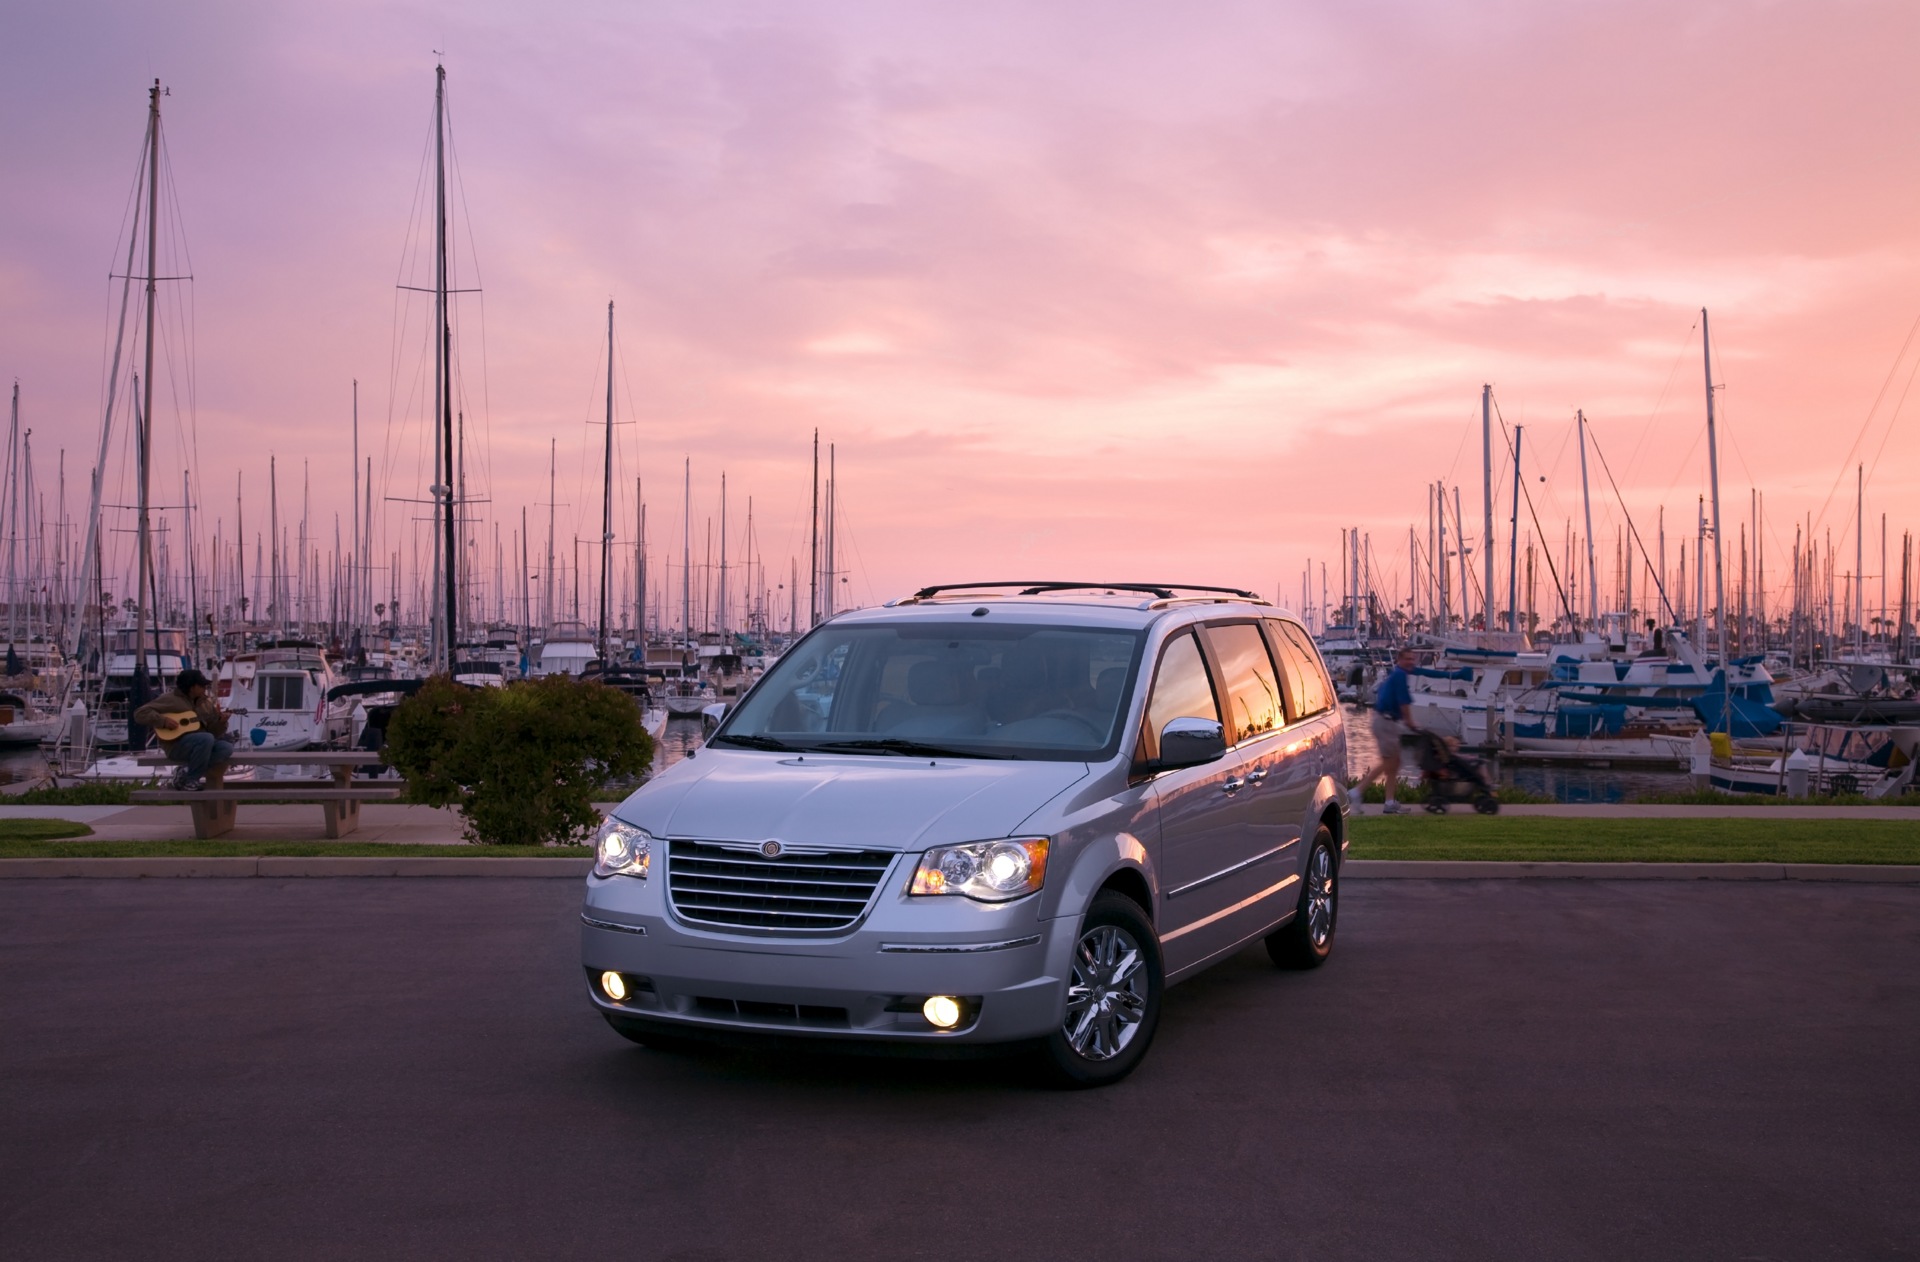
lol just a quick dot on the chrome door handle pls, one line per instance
(1256, 775)
(1233, 784)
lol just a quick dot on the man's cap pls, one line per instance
(189, 678)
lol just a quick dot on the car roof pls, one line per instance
(1130, 606)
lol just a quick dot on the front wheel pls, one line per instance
(1307, 940)
(1113, 997)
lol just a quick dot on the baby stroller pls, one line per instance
(1449, 777)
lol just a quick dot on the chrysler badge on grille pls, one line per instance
(770, 849)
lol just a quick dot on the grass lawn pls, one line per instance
(30, 830)
(106, 793)
(33, 846)
(1548, 838)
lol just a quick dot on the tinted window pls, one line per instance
(1289, 662)
(1314, 691)
(282, 692)
(996, 690)
(1180, 691)
(1251, 689)
(1308, 692)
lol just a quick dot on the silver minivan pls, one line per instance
(987, 813)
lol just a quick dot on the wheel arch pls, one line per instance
(1131, 882)
(1118, 861)
(1327, 804)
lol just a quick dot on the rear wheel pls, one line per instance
(1307, 940)
(1113, 997)
(1487, 804)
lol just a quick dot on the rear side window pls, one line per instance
(1181, 690)
(1306, 677)
(1252, 690)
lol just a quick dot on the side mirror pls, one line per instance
(1190, 743)
(711, 715)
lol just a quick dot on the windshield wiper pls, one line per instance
(750, 741)
(897, 745)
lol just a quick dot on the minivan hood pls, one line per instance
(876, 803)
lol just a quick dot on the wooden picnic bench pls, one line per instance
(216, 806)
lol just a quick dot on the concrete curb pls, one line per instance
(292, 866)
(1433, 870)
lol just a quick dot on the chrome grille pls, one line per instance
(738, 889)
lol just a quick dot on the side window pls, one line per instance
(1315, 693)
(1290, 667)
(1252, 690)
(1181, 690)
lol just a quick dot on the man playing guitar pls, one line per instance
(192, 729)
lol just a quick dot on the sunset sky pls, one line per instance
(1105, 290)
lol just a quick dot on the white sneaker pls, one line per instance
(1392, 808)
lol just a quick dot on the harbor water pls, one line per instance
(1561, 783)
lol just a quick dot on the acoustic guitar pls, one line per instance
(183, 724)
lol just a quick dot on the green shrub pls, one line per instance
(523, 763)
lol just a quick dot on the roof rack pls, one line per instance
(1032, 587)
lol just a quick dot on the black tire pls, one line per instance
(1307, 940)
(1436, 807)
(1082, 1052)
(1487, 804)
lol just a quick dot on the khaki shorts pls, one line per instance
(1387, 733)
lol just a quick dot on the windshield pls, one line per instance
(1038, 692)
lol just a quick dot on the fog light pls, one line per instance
(614, 985)
(942, 1011)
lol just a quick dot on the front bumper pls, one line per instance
(1005, 963)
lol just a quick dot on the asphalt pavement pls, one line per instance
(1499, 1069)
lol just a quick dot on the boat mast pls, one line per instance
(145, 419)
(1486, 495)
(276, 604)
(1859, 554)
(353, 566)
(1460, 541)
(13, 520)
(813, 542)
(186, 529)
(1513, 540)
(828, 601)
(1713, 473)
(443, 365)
(1586, 499)
(606, 493)
(546, 587)
(686, 564)
(640, 570)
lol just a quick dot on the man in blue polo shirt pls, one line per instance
(1390, 719)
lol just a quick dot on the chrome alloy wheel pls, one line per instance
(1107, 997)
(1320, 897)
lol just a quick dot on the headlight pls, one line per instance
(990, 871)
(621, 850)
